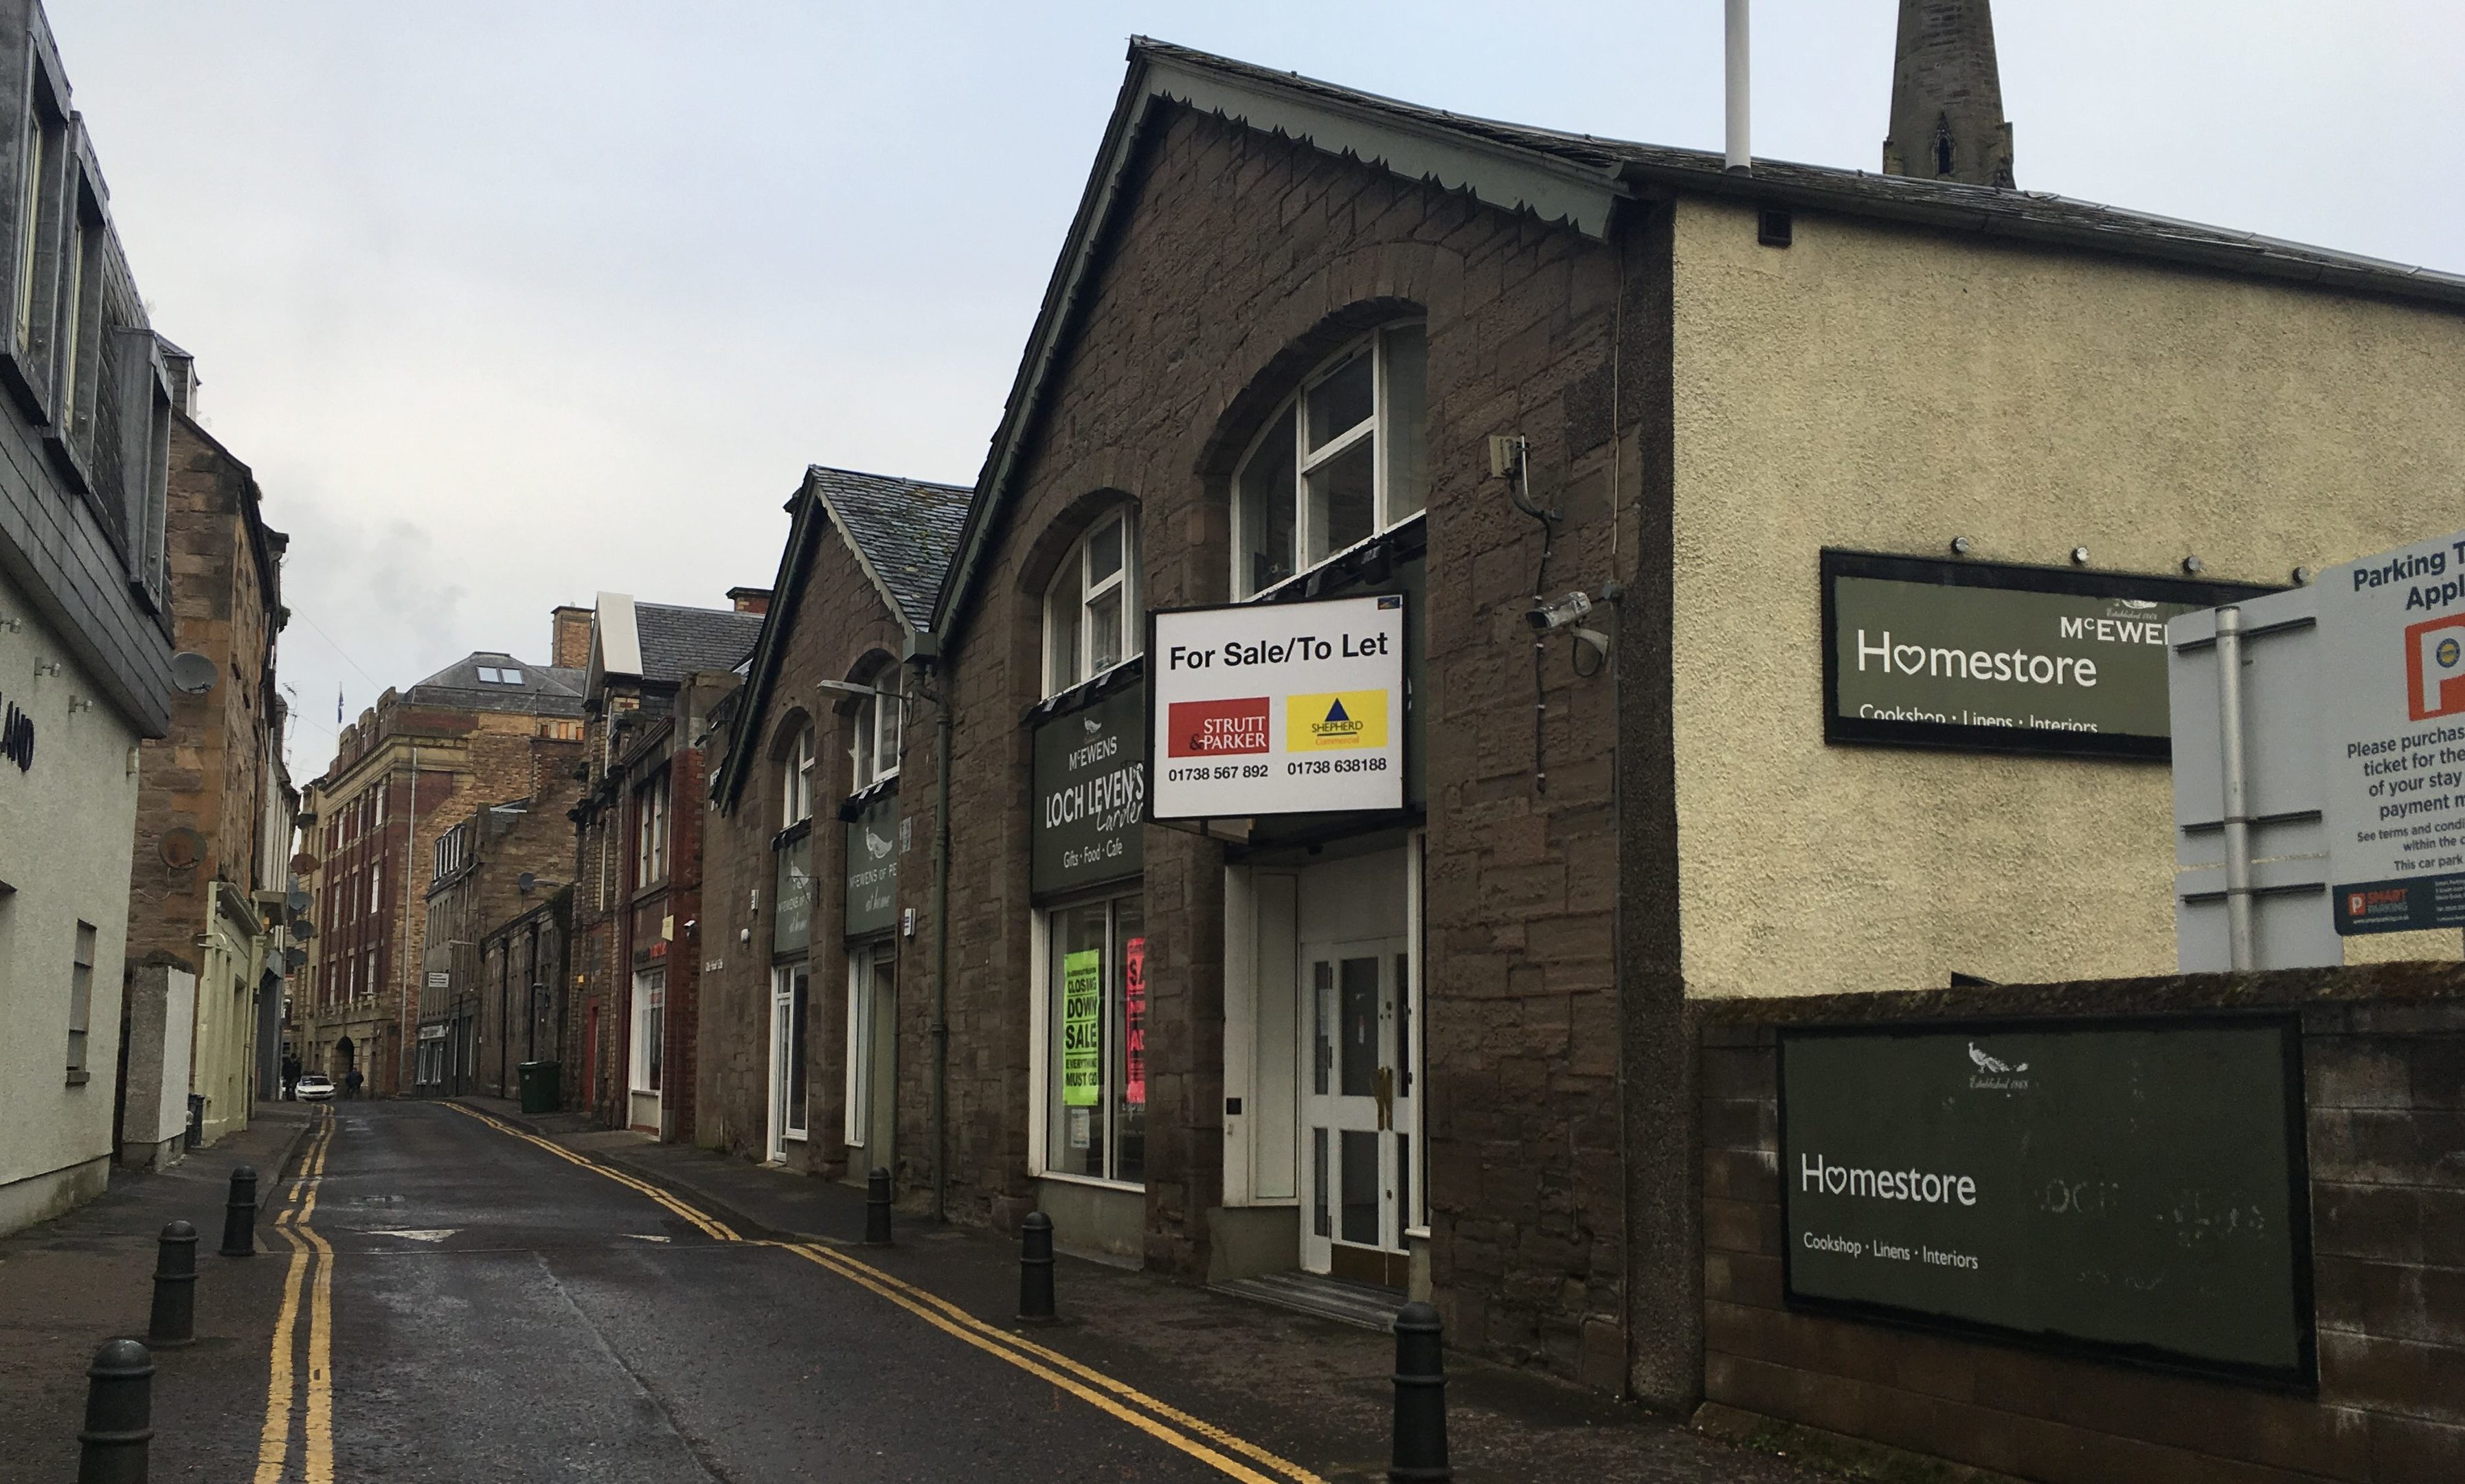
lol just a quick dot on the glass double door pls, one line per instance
(1356, 1106)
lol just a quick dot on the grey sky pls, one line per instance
(510, 302)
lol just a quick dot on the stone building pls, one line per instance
(1653, 458)
(420, 762)
(804, 1041)
(524, 986)
(485, 871)
(654, 675)
(214, 828)
(85, 634)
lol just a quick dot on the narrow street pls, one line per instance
(495, 1308)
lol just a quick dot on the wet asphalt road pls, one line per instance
(498, 1312)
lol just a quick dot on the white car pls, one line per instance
(314, 1087)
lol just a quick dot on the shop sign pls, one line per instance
(441, 979)
(1082, 1028)
(17, 736)
(1091, 781)
(427, 1033)
(1283, 708)
(791, 893)
(2391, 714)
(877, 837)
(2133, 1189)
(1134, 1022)
(1981, 656)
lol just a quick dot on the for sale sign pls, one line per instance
(1285, 708)
(2392, 646)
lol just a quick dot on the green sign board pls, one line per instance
(791, 895)
(1090, 793)
(877, 837)
(2132, 1188)
(1082, 1028)
(2012, 659)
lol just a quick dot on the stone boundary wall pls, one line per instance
(2384, 1067)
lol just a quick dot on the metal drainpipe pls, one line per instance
(941, 943)
(2237, 811)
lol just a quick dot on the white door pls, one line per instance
(650, 1047)
(1356, 1106)
(789, 986)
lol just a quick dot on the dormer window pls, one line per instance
(1340, 463)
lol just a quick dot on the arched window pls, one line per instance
(1341, 462)
(1091, 612)
(797, 778)
(874, 740)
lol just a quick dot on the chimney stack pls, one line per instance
(751, 600)
(1947, 119)
(569, 641)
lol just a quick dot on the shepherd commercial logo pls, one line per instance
(1215, 728)
(2435, 668)
(1339, 719)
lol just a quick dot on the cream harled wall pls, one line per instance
(1887, 390)
(66, 824)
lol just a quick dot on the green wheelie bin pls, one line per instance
(540, 1086)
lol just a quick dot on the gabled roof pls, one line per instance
(1578, 179)
(662, 643)
(902, 533)
(538, 690)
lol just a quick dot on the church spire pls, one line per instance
(1947, 97)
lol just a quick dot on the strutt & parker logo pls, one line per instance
(1216, 728)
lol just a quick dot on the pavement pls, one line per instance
(72, 1283)
(461, 1295)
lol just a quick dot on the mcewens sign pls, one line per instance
(2012, 659)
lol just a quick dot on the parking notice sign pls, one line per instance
(2393, 640)
(1284, 708)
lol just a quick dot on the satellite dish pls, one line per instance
(294, 958)
(305, 863)
(304, 929)
(182, 847)
(524, 882)
(297, 901)
(193, 674)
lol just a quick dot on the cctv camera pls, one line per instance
(1558, 613)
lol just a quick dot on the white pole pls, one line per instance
(1740, 155)
(2238, 812)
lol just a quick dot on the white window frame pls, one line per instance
(651, 831)
(1390, 507)
(1074, 590)
(875, 734)
(796, 779)
(856, 1125)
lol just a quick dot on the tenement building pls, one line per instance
(1446, 600)
(208, 920)
(85, 632)
(654, 675)
(490, 868)
(806, 1039)
(484, 729)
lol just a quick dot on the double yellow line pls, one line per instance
(1236, 1458)
(310, 1254)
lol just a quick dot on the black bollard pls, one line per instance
(877, 1209)
(1420, 1396)
(175, 1287)
(119, 1416)
(240, 1215)
(1035, 1268)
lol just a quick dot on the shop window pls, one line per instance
(872, 1001)
(650, 1029)
(1091, 613)
(1341, 462)
(1096, 1032)
(874, 742)
(81, 999)
(796, 779)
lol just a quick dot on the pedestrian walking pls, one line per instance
(351, 1083)
(290, 1077)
